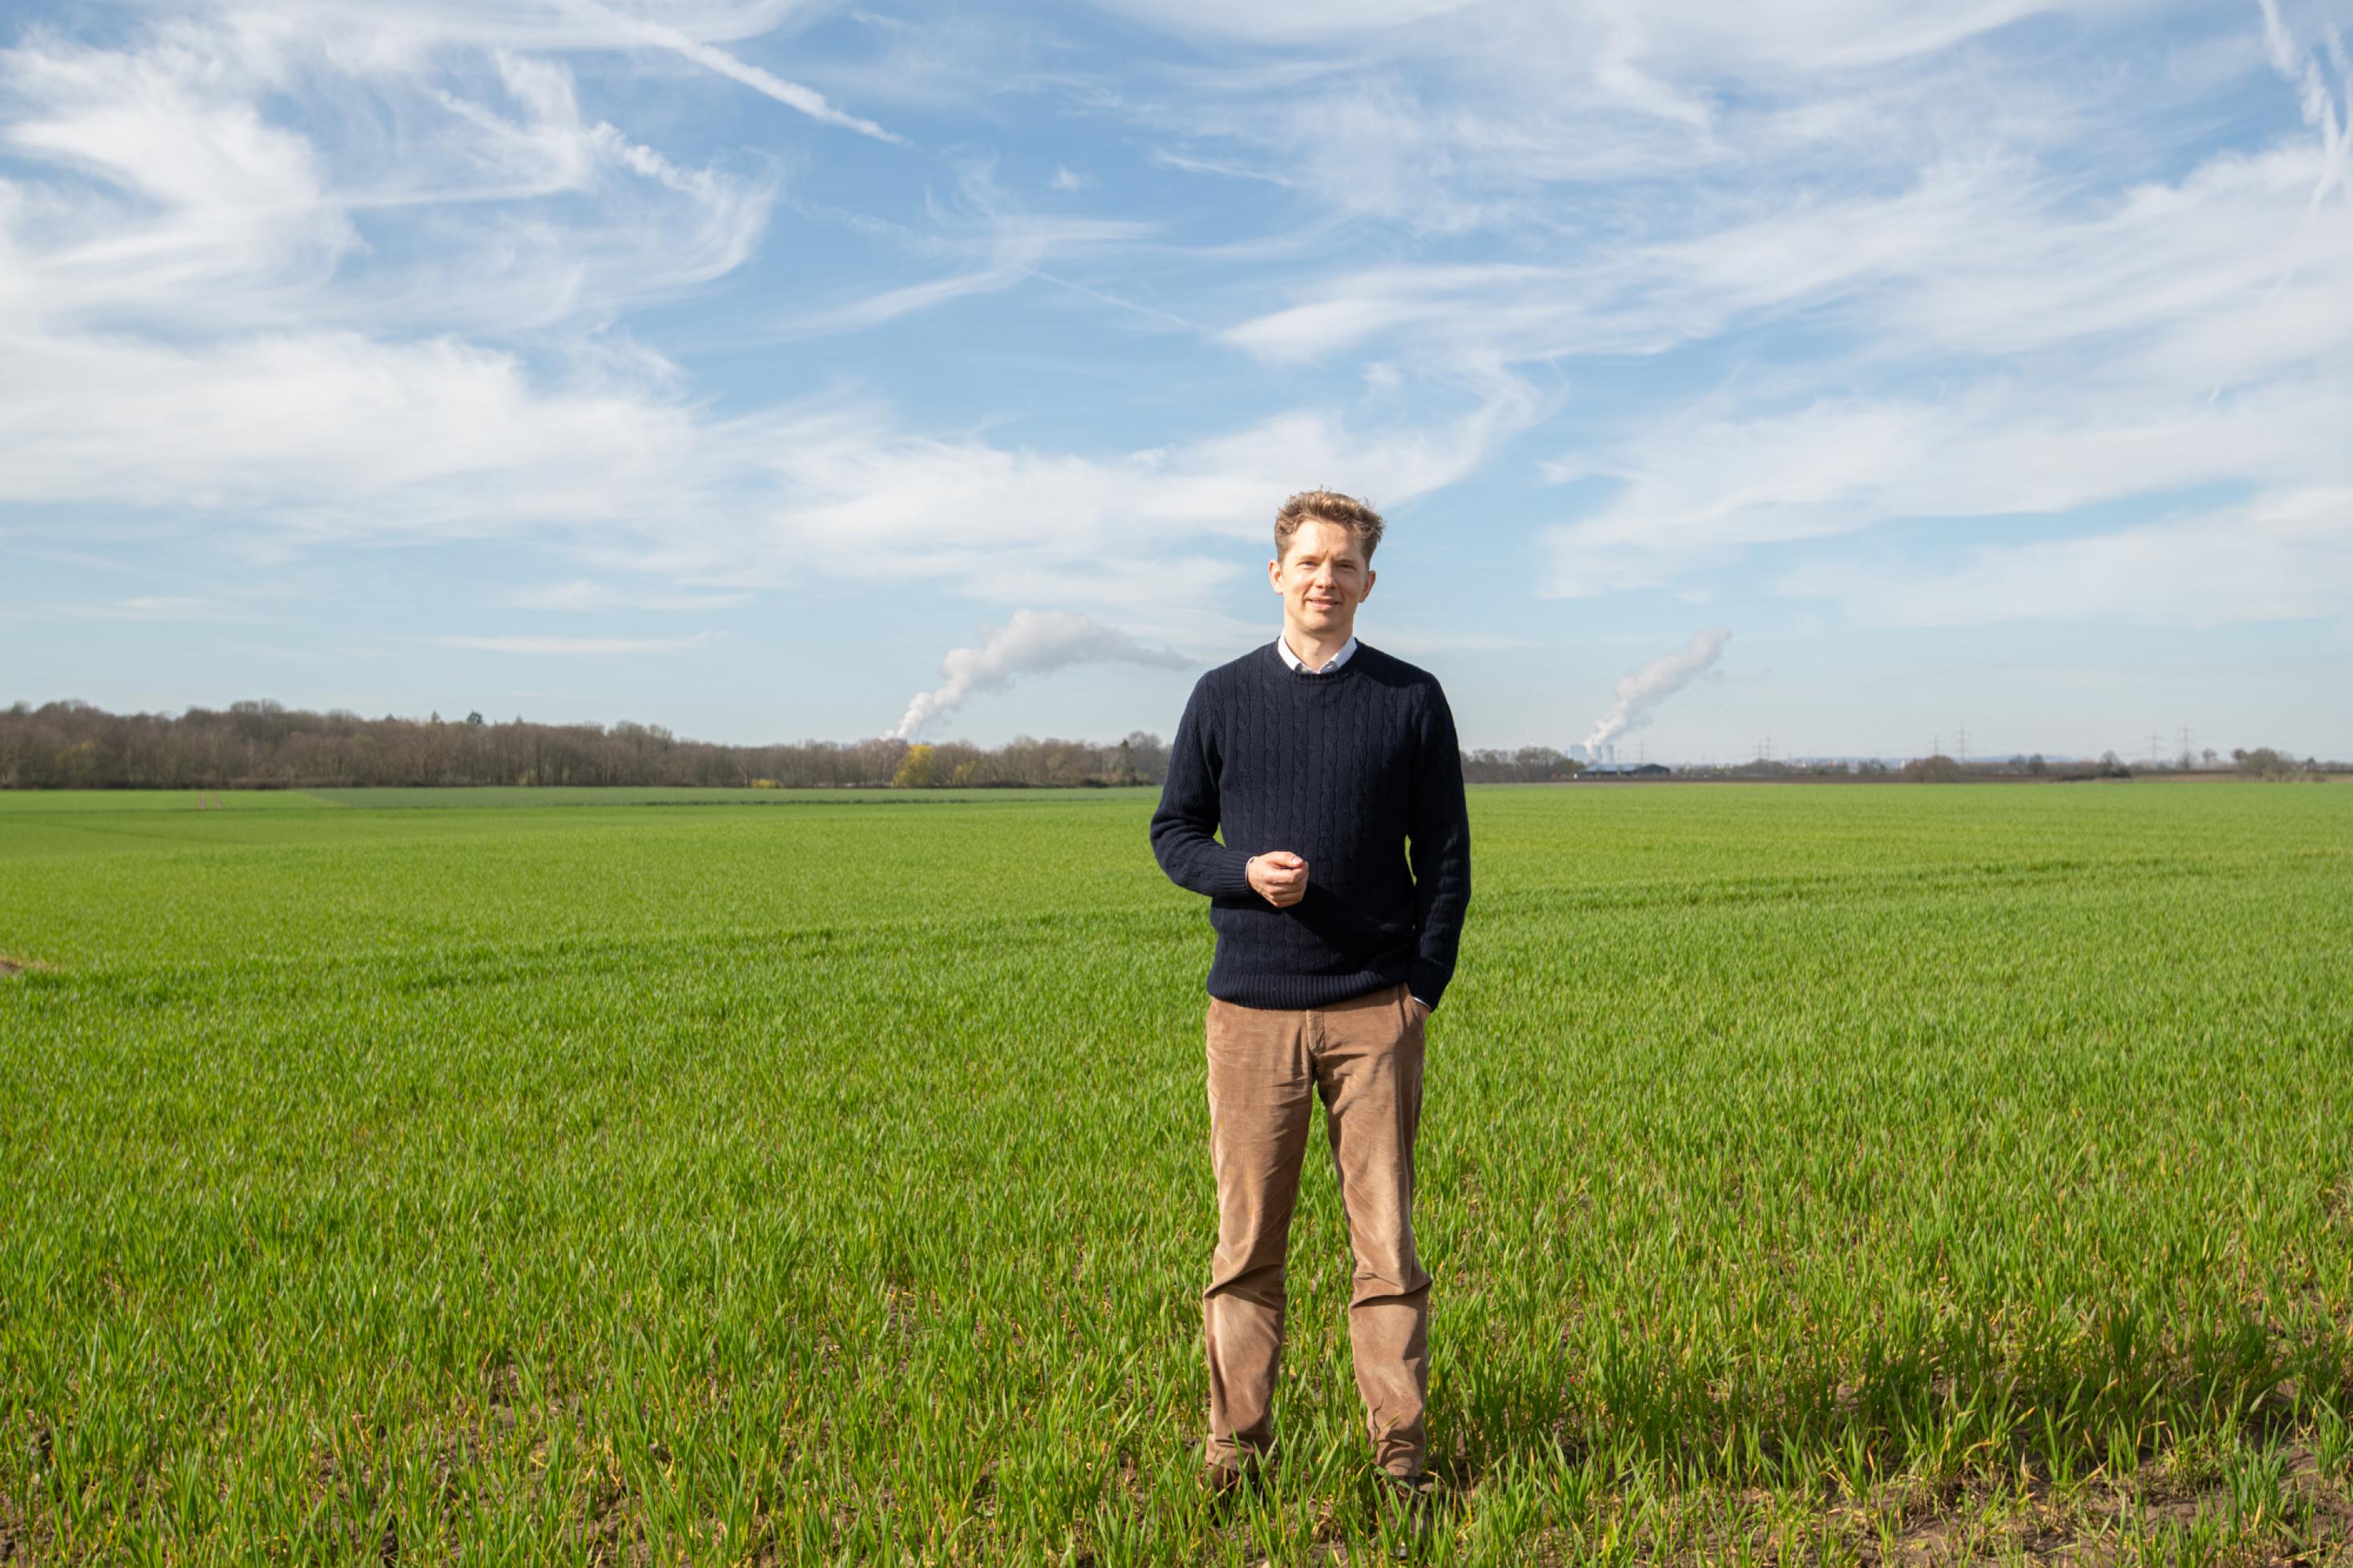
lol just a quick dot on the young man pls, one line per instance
(1338, 895)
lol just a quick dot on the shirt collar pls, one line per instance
(1347, 651)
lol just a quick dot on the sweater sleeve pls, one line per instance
(1184, 828)
(1438, 846)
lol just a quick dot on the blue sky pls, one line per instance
(770, 370)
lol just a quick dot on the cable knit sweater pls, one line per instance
(1344, 769)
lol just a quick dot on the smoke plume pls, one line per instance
(1641, 692)
(1033, 642)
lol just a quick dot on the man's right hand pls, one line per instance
(1280, 877)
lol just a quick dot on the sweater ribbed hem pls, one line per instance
(1297, 991)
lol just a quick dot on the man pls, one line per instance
(1323, 759)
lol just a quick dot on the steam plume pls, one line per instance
(1033, 642)
(1652, 684)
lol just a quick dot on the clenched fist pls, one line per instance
(1280, 877)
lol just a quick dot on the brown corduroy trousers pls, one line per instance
(1267, 1064)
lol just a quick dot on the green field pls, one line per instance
(1848, 1175)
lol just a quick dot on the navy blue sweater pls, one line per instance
(1343, 770)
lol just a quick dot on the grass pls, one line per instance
(1878, 1174)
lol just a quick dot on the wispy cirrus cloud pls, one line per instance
(589, 648)
(991, 242)
(587, 597)
(160, 607)
(1480, 117)
(207, 322)
(2009, 296)
(853, 497)
(2286, 556)
(2137, 350)
(2035, 340)
(652, 308)
(627, 28)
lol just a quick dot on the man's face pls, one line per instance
(1323, 577)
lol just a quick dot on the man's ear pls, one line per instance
(1274, 575)
(1371, 577)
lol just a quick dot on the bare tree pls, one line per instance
(264, 744)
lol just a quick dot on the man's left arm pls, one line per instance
(1438, 833)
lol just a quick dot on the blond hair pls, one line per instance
(1328, 506)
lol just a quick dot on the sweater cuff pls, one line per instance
(1427, 982)
(1230, 874)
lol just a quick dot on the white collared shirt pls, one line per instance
(1348, 650)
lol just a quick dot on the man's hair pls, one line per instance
(1331, 506)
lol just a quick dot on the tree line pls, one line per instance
(267, 745)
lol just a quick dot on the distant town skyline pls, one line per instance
(770, 371)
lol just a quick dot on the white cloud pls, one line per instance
(2320, 107)
(1721, 34)
(2035, 352)
(1993, 321)
(185, 189)
(392, 309)
(1964, 261)
(579, 647)
(1693, 495)
(368, 35)
(329, 433)
(631, 29)
(160, 607)
(195, 215)
(2279, 558)
(1147, 533)
(581, 593)
(1303, 20)
(202, 326)
(994, 244)
(193, 321)
(1513, 115)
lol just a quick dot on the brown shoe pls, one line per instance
(1226, 1487)
(1409, 1499)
